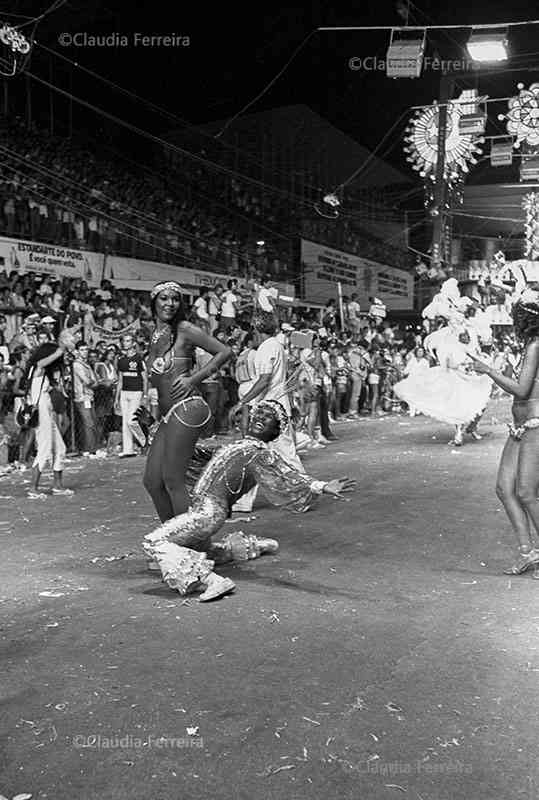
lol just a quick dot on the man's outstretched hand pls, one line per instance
(340, 486)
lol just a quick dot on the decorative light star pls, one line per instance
(523, 116)
(422, 145)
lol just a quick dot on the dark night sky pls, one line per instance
(236, 50)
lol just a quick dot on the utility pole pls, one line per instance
(439, 211)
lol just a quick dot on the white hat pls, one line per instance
(48, 319)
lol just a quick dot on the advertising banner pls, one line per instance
(133, 273)
(125, 273)
(24, 256)
(324, 267)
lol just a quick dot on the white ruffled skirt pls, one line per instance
(446, 395)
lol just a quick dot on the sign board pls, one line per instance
(24, 256)
(134, 273)
(125, 273)
(324, 267)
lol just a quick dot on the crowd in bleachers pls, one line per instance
(56, 190)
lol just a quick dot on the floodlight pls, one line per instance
(485, 46)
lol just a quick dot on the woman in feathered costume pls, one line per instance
(448, 392)
(518, 474)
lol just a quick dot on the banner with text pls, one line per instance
(133, 273)
(125, 273)
(324, 267)
(59, 262)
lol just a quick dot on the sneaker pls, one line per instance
(322, 439)
(215, 587)
(33, 495)
(63, 492)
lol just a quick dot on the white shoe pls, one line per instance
(215, 587)
(64, 492)
(323, 440)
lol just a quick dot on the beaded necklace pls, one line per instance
(157, 335)
(218, 465)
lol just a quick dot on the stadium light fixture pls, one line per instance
(405, 53)
(484, 46)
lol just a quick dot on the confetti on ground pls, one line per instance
(314, 722)
(274, 770)
(395, 786)
(393, 707)
(51, 594)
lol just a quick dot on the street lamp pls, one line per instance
(485, 46)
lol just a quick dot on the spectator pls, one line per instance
(105, 393)
(354, 318)
(84, 383)
(214, 307)
(229, 306)
(200, 309)
(131, 392)
(266, 299)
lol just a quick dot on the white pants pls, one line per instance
(49, 442)
(129, 402)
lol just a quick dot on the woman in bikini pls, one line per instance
(518, 474)
(184, 412)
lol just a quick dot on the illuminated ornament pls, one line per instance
(329, 207)
(14, 50)
(421, 146)
(523, 115)
(531, 226)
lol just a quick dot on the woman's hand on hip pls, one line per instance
(181, 388)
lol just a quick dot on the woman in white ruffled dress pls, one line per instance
(449, 392)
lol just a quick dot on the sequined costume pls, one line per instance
(525, 412)
(192, 411)
(182, 546)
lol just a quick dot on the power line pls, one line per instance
(163, 111)
(268, 86)
(53, 7)
(467, 25)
